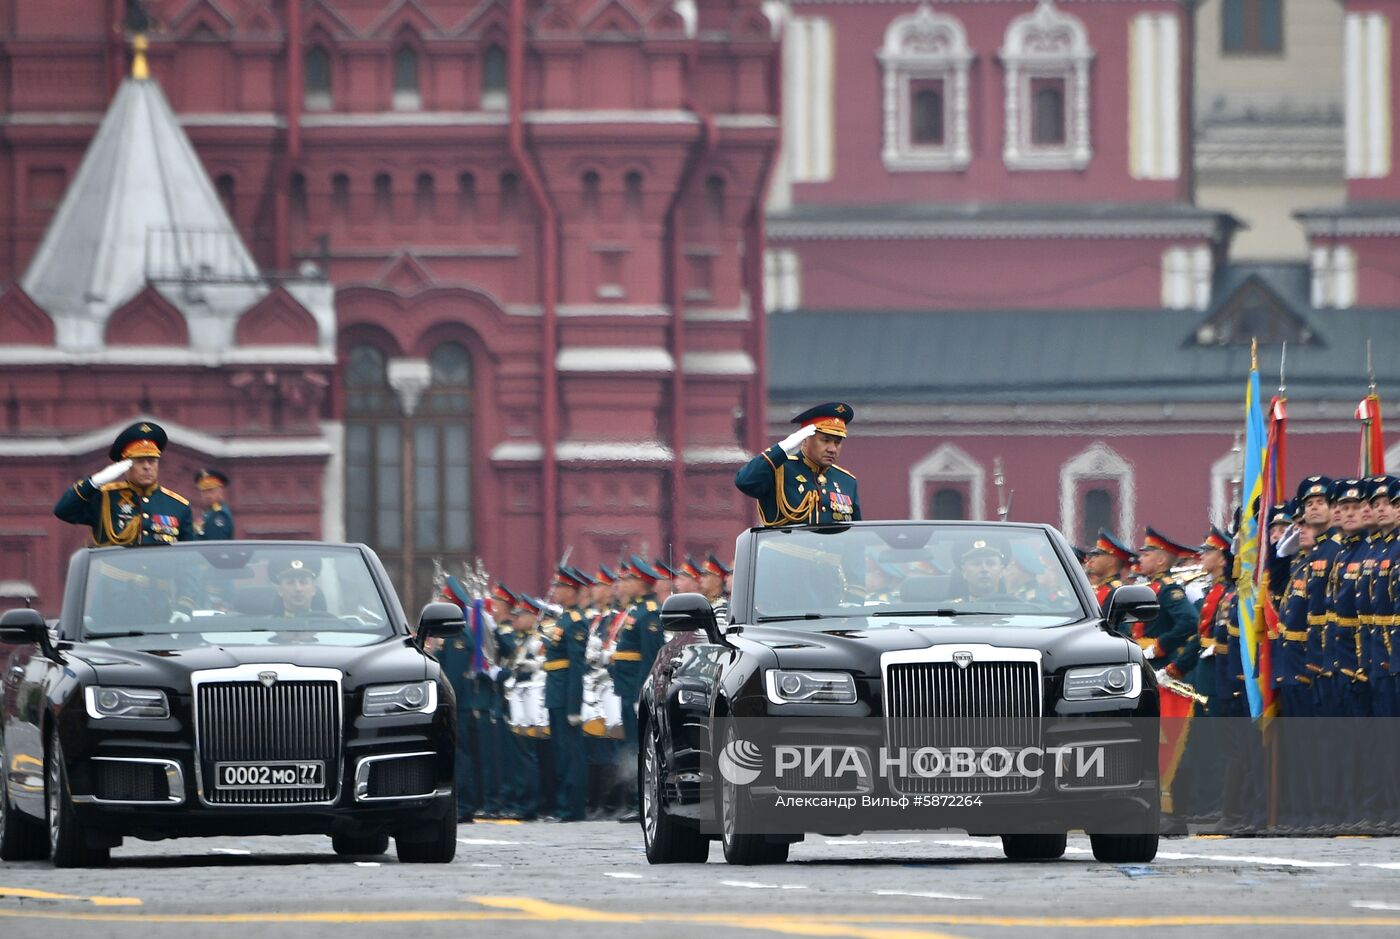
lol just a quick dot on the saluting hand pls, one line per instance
(793, 441)
(111, 473)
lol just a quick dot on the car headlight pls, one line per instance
(1103, 681)
(414, 697)
(793, 687)
(147, 703)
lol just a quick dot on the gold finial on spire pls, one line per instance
(1254, 354)
(140, 70)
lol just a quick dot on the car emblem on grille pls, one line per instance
(268, 679)
(962, 659)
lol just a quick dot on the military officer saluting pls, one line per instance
(796, 481)
(1175, 623)
(1105, 563)
(638, 641)
(124, 504)
(566, 646)
(215, 523)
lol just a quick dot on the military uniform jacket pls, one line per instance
(215, 525)
(456, 660)
(565, 653)
(1377, 611)
(638, 641)
(1174, 625)
(1188, 665)
(1342, 640)
(790, 490)
(1322, 556)
(1229, 673)
(1104, 590)
(1290, 657)
(121, 514)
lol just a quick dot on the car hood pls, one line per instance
(393, 659)
(857, 644)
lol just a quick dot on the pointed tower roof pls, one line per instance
(141, 210)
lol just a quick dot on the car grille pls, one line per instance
(248, 722)
(940, 705)
(402, 778)
(122, 781)
(1121, 767)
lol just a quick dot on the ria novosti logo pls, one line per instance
(740, 762)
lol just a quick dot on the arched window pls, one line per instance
(510, 196)
(316, 79)
(424, 195)
(1046, 56)
(406, 89)
(493, 78)
(340, 196)
(383, 195)
(632, 182)
(466, 195)
(589, 193)
(441, 458)
(373, 454)
(1096, 513)
(948, 505)
(714, 197)
(227, 189)
(297, 202)
(1098, 467)
(925, 58)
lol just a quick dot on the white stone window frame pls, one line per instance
(1046, 43)
(1098, 461)
(941, 53)
(1225, 476)
(948, 463)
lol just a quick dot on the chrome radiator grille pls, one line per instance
(941, 705)
(238, 722)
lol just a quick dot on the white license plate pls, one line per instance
(275, 775)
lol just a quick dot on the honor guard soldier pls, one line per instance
(566, 649)
(215, 522)
(1342, 640)
(712, 584)
(638, 641)
(1105, 564)
(667, 584)
(124, 504)
(796, 481)
(1175, 623)
(469, 662)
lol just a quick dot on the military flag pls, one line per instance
(1263, 481)
(1368, 412)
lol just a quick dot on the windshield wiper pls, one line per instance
(797, 616)
(944, 612)
(126, 635)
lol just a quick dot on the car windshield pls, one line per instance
(234, 593)
(900, 573)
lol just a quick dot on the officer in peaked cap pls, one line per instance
(216, 521)
(1175, 623)
(638, 641)
(297, 582)
(712, 584)
(796, 481)
(1107, 561)
(458, 657)
(566, 660)
(124, 504)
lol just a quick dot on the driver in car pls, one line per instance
(296, 587)
(982, 566)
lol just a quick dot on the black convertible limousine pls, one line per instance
(225, 688)
(897, 676)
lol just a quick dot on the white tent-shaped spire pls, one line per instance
(141, 210)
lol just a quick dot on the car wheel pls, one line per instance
(1124, 849)
(351, 845)
(440, 847)
(68, 845)
(734, 811)
(1033, 847)
(669, 840)
(21, 838)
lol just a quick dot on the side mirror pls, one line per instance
(689, 612)
(1132, 603)
(20, 626)
(440, 619)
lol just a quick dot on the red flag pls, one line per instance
(1368, 412)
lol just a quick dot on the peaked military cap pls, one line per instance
(665, 568)
(1155, 540)
(830, 418)
(1381, 487)
(606, 575)
(532, 603)
(1281, 514)
(142, 439)
(1026, 558)
(981, 548)
(689, 568)
(1079, 553)
(636, 567)
(1348, 490)
(286, 567)
(1216, 540)
(1315, 486)
(714, 565)
(455, 591)
(207, 479)
(567, 576)
(507, 596)
(1107, 544)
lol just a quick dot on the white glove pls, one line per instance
(793, 441)
(111, 474)
(1207, 652)
(1288, 544)
(179, 617)
(1162, 675)
(493, 672)
(1150, 652)
(575, 720)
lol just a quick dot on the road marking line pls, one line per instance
(1383, 865)
(484, 841)
(231, 851)
(1375, 905)
(755, 885)
(498, 821)
(923, 895)
(26, 893)
(366, 863)
(480, 864)
(842, 842)
(1250, 859)
(623, 875)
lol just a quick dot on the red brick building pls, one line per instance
(536, 227)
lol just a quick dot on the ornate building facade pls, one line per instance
(539, 229)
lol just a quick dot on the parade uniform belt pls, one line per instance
(1295, 635)
(1233, 631)
(627, 656)
(1317, 619)
(555, 665)
(1347, 622)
